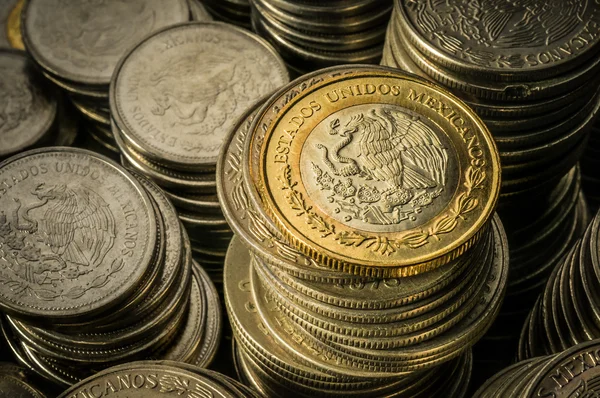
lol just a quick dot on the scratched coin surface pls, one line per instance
(83, 41)
(180, 91)
(379, 170)
(28, 111)
(512, 39)
(77, 234)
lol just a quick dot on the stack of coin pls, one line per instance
(95, 269)
(590, 163)
(365, 251)
(33, 113)
(571, 373)
(198, 11)
(174, 98)
(540, 237)
(566, 313)
(17, 382)
(234, 12)
(311, 35)
(159, 379)
(531, 78)
(78, 44)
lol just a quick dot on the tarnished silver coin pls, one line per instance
(178, 93)
(77, 234)
(83, 41)
(28, 111)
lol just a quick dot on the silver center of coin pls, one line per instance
(378, 168)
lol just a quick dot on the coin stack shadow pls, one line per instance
(172, 312)
(159, 378)
(540, 122)
(79, 57)
(313, 35)
(235, 12)
(35, 114)
(566, 313)
(590, 164)
(170, 114)
(569, 373)
(303, 329)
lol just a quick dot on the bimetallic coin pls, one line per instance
(78, 234)
(341, 161)
(169, 111)
(82, 42)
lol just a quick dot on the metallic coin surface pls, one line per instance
(170, 112)
(378, 169)
(83, 41)
(147, 379)
(511, 40)
(29, 111)
(13, 25)
(77, 233)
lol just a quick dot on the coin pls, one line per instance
(92, 200)
(248, 70)
(87, 48)
(293, 170)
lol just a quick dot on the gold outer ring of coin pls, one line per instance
(378, 251)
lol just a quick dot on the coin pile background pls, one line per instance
(303, 329)
(172, 109)
(34, 114)
(66, 321)
(158, 378)
(79, 53)
(235, 12)
(566, 313)
(570, 373)
(313, 35)
(16, 381)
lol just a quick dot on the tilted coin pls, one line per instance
(417, 145)
(511, 41)
(83, 42)
(178, 93)
(78, 234)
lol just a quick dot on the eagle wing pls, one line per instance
(544, 22)
(424, 157)
(80, 227)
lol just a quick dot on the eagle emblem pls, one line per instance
(387, 166)
(64, 235)
(504, 24)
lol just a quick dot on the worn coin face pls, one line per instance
(147, 379)
(28, 111)
(83, 41)
(77, 234)
(378, 169)
(514, 40)
(169, 111)
(11, 386)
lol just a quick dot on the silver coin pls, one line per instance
(28, 111)
(77, 233)
(83, 41)
(198, 78)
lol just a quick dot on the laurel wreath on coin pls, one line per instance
(464, 203)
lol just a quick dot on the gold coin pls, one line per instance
(379, 173)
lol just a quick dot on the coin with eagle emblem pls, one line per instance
(77, 234)
(380, 170)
